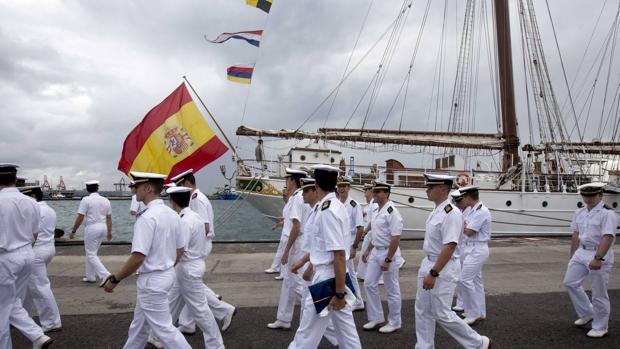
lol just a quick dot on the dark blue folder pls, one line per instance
(322, 292)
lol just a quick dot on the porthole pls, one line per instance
(508, 203)
(580, 204)
(332, 160)
(615, 204)
(545, 204)
(302, 158)
(411, 200)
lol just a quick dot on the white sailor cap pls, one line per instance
(132, 184)
(92, 182)
(469, 189)
(143, 177)
(456, 195)
(178, 190)
(30, 189)
(325, 168)
(22, 178)
(6, 168)
(181, 176)
(379, 185)
(435, 179)
(591, 189)
(347, 180)
(367, 186)
(170, 185)
(290, 172)
(307, 183)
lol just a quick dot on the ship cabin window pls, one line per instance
(508, 203)
(580, 204)
(615, 204)
(332, 160)
(411, 200)
(302, 158)
(545, 203)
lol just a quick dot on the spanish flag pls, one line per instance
(171, 138)
(264, 5)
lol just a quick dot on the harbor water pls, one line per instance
(234, 220)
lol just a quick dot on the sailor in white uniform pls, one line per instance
(136, 206)
(594, 228)
(371, 206)
(292, 285)
(440, 271)
(19, 223)
(200, 204)
(457, 200)
(382, 256)
(98, 214)
(328, 229)
(356, 221)
(276, 264)
(40, 293)
(156, 247)
(189, 289)
(475, 253)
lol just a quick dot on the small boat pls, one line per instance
(226, 193)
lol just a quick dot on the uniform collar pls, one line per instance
(329, 196)
(155, 202)
(42, 203)
(10, 190)
(185, 210)
(387, 205)
(443, 204)
(598, 207)
(94, 194)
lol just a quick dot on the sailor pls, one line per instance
(292, 285)
(328, 230)
(439, 271)
(457, 200)
(136, 206)
(40, 293)
(21, 181)
(98, 213)
(276, 264)
(19, 223)
(156, 247)
(200, 204)
(189, 289)
(356, 224)
(371, 206)
(382, 255)
(594, 229)
(475, 253)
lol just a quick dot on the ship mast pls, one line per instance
(506, 85)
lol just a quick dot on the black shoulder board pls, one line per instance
(448, 208)
(390, 209)
(182, 214)
(195, 195)
(141, 212)
(353, 203)
(606, 207)
(325, 205)
(479, 207)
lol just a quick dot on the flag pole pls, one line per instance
(213, 118)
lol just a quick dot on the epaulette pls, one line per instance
(606, 207)
(194, 196)
(182, 214)
(325, 205)
(353, 203)
(390, 209)
(448, 208)
(141, 212)
(479, 207)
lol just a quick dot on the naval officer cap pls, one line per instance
(290, 172)
(92, 182)
(326, 169)
(469, 189)
(182, 176)
(30, 190)
(436, 179)
(307, 183)
(344, 180)
(143, 177)
(7, 168)
(367, 186)
(380, 185)
(591, 189)
(132, 184)
(178, 190)
(456, 195)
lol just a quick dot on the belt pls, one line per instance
(468, 242)
(589, 248)
(434, 258)
(382, 247)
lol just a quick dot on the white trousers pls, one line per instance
(219, 308)
(189, 290)
(356, 284)
(433, 306)
(20, 266)
(312, 327)
(361, 266)
(94, 235)
(391, 285)
(39, 292)
(152, 312)
(471, 286)
(330, 333)
(292, 286)
(276, 264)
(576, 272)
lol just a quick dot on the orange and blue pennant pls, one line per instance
(252, 37)
(264, 5)
(171, 138)
(240, 74)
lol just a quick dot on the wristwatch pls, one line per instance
(599, 258)
(434, 273)
(114, 280)
(388, 260)
(340, 295)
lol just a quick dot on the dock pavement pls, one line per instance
(527, 306)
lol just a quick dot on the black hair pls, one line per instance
(8, 178)
(326, 180)
(158, 186)
(190, 178)
(473, 194)
(181, 198)
(38, 194)
(92, 188)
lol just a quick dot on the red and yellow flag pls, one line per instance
(171, 138)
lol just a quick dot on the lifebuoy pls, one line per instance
(462, 179)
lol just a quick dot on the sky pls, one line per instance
(77, 76)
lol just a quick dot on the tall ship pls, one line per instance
(530, 187)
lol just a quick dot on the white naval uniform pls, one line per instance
(293, 284)
(327, 231)
(136, 206)
(475, 253)
(459, 253)
(591, 226)
(95, 208)
(19, 220)
(361, 266)
(356, 219)
(157, 235)
(189, 288)
(386, 223)
(444, 225)
(200, 204)
(39, 288)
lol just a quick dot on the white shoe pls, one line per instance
(596, 333)
(88, 280)
(154, 342)
(372, 325)
(56, 328)
(389, 329)
(486, 342)
(186, 331)
(279, 277)
(221, 347)
(271, 271)
(471, 320)
(279, 324)
(228, 319)
(381, 281)
(582, 321)
(458, 309)
(42, 342)
(359, 306)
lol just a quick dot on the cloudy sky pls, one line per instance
(77, 76)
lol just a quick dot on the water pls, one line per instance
(235, 220)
